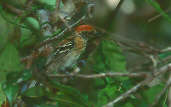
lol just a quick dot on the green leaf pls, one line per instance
(11, 91)
(32, 23)
(106, 94)
(2, 76)
(35, 92)
(10, 21)
(68, 95)
(164, 55)
(107, 57)
(66, 101)
(2, 96)
(158, 9)
(142, 104)
(9, 59)
(165, 105)
(50, 4)
(128, 104)
(26, 75)
(151, 93)
(6, 29)
(99, 82)
(113, 89)
(12, 77)
(17, 77)
(127, 84)
(27, 38)
(46, 105)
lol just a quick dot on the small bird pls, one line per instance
(69, 50)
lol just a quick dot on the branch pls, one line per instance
(13, 9)
(126, 94)
(162, 70)
(101, 75)
(157, 16)
(47, 41)
(138, 46)
(114, 74)
(169, 93)
(136, 87)
(169, 97)
(166, 49)
(168, 83)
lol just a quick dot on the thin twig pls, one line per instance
(29, 3)
(126, 94)
(101, 75)
(13, 9)
(148, 79)
(60, 34)
(136, 45)
(166, 49)
(154, 60)
(114, 74)
(157, 16)
(169, 97)
(58, 4)
(2, 13)
(162, 70)
(47, 41)
(169, 94)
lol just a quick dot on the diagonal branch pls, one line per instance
(47, 41)
(126, 94)
(168, 83)
(148, 79)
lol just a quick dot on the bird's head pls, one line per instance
(85, 30)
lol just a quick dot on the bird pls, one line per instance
(68, 51)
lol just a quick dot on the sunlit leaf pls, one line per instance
(32, 23)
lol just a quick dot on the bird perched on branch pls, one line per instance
(68, 51)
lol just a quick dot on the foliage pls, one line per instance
(11, 92)
(107, 57)
(23, 62)
(9, 59)
(2, 96)
(32, 23)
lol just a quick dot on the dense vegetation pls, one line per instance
(124, 61)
